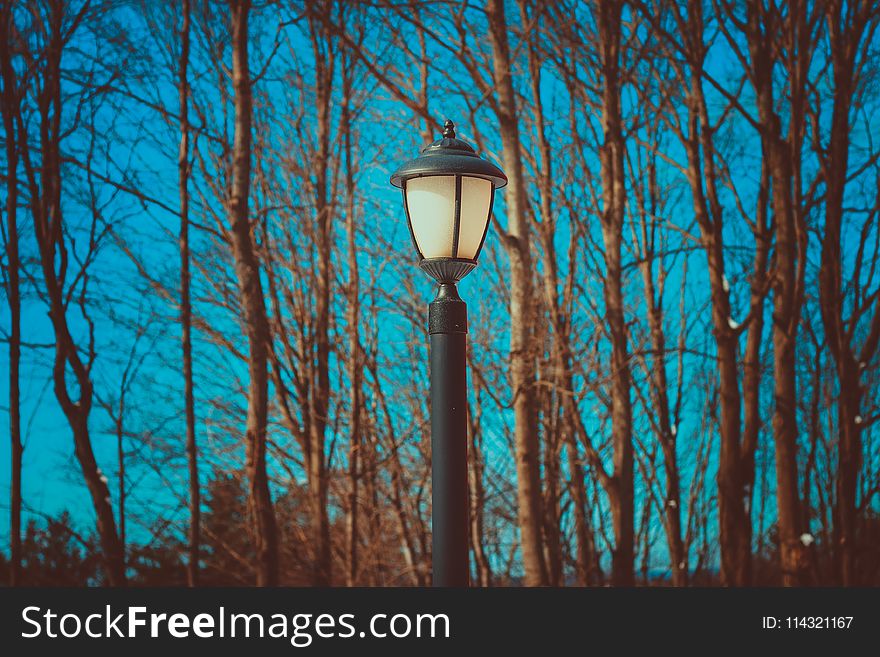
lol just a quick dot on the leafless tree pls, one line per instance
(65, 270)
(851, 29)
(12, 283)
(247, 268)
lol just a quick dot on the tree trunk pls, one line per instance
(848, 468)
(782, 156)
(253, 306)
(785, 321)
(355, 367)
(649, 209)
(666, 433)
(477, 491)
(614, 199)
(517, 244)
(192, 568)
(846, 29)
(45, 192)
(733, 520)
(553, 398)
(587, 573)
(13, 292)
(321, 384)
(120, 462)
(786, 316)
(741, 573)
(735, 467)
(318, 356)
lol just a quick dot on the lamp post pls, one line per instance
(447, 193)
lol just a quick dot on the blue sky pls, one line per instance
(143, 140)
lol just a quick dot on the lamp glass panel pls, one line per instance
(475, 196)
(431, 204)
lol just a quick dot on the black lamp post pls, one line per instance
(447, 193)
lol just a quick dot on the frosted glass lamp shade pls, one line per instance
(448, 214)
(476, 207)
(447, 192)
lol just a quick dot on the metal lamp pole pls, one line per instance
(447, 324)
(447, 193)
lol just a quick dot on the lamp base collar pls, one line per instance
(447, 270)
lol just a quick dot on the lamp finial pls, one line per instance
(449, 129)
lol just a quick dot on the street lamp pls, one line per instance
(447, 193)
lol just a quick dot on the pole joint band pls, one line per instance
(447, 313)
